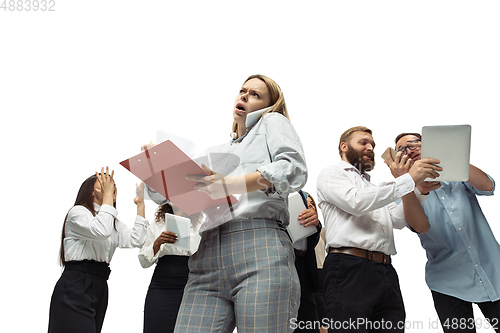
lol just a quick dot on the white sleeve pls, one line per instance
(337, 189)
(146, 255)
(132, 237)
(288, 170)
(84, 225)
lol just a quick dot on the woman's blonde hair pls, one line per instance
(277, 98)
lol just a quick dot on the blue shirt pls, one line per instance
(463, 254)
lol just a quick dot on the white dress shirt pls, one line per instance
(89, 237)
(147, 257)
(359, 214)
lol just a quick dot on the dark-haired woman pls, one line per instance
(171, 272)
(91, 233)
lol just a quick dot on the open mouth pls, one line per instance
(415, 157)
(240, 107)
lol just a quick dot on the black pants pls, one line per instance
(319, 296)
(307, 318)
(165, 294)
(362, 296)
(456, 315)
(80, 298)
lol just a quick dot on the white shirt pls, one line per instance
(358, 213)
(146, 254)
(89, 237)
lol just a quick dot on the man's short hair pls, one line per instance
(346, 136)
(405, 134)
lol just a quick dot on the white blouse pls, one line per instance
(89, 237)
(146, 255)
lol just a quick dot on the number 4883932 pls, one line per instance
(28, 5)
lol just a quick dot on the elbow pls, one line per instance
(137, 241)
(423, 228)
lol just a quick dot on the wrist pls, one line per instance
(107, 200)
(234, 185)
(156, 247)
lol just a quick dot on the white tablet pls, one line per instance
(180, 225)
(451, 146)
(295, 229)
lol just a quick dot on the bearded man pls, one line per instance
(361, 287)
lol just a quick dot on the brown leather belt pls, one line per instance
(377, 257)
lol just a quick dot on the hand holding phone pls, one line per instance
(397, 162)
(386, 154)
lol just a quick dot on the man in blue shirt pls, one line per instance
(463, 265)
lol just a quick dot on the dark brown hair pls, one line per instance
(405, 134)
(312, 200)
(161, 211)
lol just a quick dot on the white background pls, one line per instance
(86, 85)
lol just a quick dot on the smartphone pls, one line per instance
(253, 117)
(393, 154)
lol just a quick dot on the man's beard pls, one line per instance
(355, 158)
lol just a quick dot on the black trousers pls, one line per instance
(319, 296)
(80, 298)
(307, 317)
(165, 294)
(456, 315)
(361, 295)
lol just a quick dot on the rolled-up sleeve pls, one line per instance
(479, 192)
(147, 257)
(288, 170)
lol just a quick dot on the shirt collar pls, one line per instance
(244, 135)
(349, 167)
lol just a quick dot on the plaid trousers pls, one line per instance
(243, 275)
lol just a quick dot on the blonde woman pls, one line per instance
(243, 274)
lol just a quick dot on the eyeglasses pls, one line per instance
(409, 146)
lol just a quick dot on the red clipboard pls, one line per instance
(164, 167)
